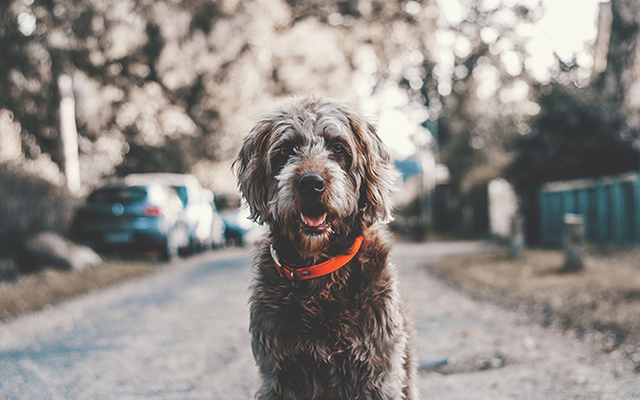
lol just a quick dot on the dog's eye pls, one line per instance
(338, 149)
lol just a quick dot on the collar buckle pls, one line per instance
(294, 282)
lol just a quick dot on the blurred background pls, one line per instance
(482, 102)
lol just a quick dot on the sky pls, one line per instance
(566, 28)
(569, 24)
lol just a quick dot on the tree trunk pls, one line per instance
(619, 75)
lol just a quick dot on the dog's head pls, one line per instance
(314, 169)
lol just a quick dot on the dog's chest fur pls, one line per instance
(342, 336)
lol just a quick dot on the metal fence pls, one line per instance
(610, 207)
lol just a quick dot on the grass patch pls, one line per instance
(36, 291)
(604, 296)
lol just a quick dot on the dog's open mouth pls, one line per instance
(314, 223)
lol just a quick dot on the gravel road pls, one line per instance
(182, 333)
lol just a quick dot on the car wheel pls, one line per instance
(189, 248)
(170, 251)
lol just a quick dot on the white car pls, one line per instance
(198, 212)
(211, 230)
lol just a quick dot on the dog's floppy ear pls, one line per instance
(251, 169)
(374, 166)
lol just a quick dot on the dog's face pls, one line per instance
(314, 169)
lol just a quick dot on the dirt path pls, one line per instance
(182, 334)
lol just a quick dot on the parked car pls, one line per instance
(134, 216)
(239, 229)
(197, 212)
(216, 236)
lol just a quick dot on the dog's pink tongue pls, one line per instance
(313, 222)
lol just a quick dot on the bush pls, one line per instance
(29, 204)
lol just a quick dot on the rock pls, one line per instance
(8, 269)
(52, 250)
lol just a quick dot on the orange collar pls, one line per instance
(318, 270)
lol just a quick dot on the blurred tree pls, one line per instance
(621, 70)
(172, 86)
(485, 87)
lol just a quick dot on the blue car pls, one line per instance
(134, 217)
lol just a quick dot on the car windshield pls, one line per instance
(182, 193)
(118, 195)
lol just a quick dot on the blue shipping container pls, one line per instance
(610, 206)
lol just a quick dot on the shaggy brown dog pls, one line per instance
(318, 175)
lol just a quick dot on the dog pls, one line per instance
(326, 317)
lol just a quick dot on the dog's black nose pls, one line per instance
(310, 184)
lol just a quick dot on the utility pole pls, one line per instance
(69, 133)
